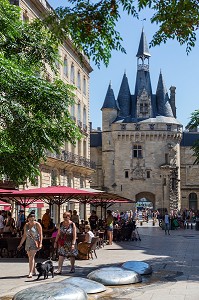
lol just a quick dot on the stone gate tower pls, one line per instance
(140, 146)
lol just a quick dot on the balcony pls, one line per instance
(72, 158)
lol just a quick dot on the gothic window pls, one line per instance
(148, 175)
(79, 80)
(193, 201)
(137, 151)
(144, 107)
(65, 67)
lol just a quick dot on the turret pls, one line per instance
(109, 109)
(124, 98)
(163, 101)
(173, 100)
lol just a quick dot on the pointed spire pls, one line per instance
(163, 104)
(143, 50)
(110, 101)
(124, 97)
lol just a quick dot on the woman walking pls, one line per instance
(33, 236)
(66, 242)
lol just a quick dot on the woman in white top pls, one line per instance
(83, 247)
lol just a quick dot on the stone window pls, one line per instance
(137, 151)
(193, 201)
(79, 80)
(148, 175)
(126, 174)
(144, 108)
(84, 85)
(72, 74)
(65, 66)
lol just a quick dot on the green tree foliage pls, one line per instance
(34, 113)
(193, 124)
(92, 24)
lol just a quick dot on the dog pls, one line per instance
(44, 268)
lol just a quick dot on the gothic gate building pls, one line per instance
(137, 153)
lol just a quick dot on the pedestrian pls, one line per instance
(167, 223)
(93, 219)
(109, 226)
(33, 236)
(46, 219)
(66, 242)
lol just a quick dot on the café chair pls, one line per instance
(93, 246)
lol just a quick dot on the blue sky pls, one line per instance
(178, 68)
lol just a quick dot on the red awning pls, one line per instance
(5, 205)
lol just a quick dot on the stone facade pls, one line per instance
(140, 153)
(73, 166)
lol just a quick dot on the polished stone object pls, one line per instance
(52, 291)
(89, 286)
(140, 267)
(114, 276)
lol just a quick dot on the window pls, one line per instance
(72, 74)
(137, 151)
(84, 85)
(84, 116)
(126, 174)
(166, 158)
(148, 175)
(144, 107)
(193, 201)
(79, 112)
(66, 66)
(25, 17)
(53, 177)
(79, 80)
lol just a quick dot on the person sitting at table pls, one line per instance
(75, 218)
(9, 224)
(33, 236)
(84, 246)
(46, 220)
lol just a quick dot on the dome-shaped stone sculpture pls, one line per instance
(140, 267)
(114, 276)
(89, 286)
(52, 291)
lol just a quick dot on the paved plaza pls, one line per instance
(174, 259)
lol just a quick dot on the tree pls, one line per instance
(92, 24)
(194, 123)
(34, 113)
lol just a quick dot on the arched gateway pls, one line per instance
(150, 197)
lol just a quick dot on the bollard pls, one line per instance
(191, 226)
(153, 223)
(187, 225)
(140, 223)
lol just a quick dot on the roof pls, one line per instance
(189, 138)
(143, 49)
(109, 101)
(95, 139)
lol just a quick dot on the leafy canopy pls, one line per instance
(34, 114)
(92, 24)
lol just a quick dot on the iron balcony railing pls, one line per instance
(73, 159)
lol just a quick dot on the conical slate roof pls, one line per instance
(124, 98)
(110, 101)
(163, 105)
(143, 50)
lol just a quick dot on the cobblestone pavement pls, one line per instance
(174, 259)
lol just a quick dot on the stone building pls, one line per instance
(138, 153)
(73, 166)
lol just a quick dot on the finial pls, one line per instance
(143, 23)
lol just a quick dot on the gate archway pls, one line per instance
(150, 197)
